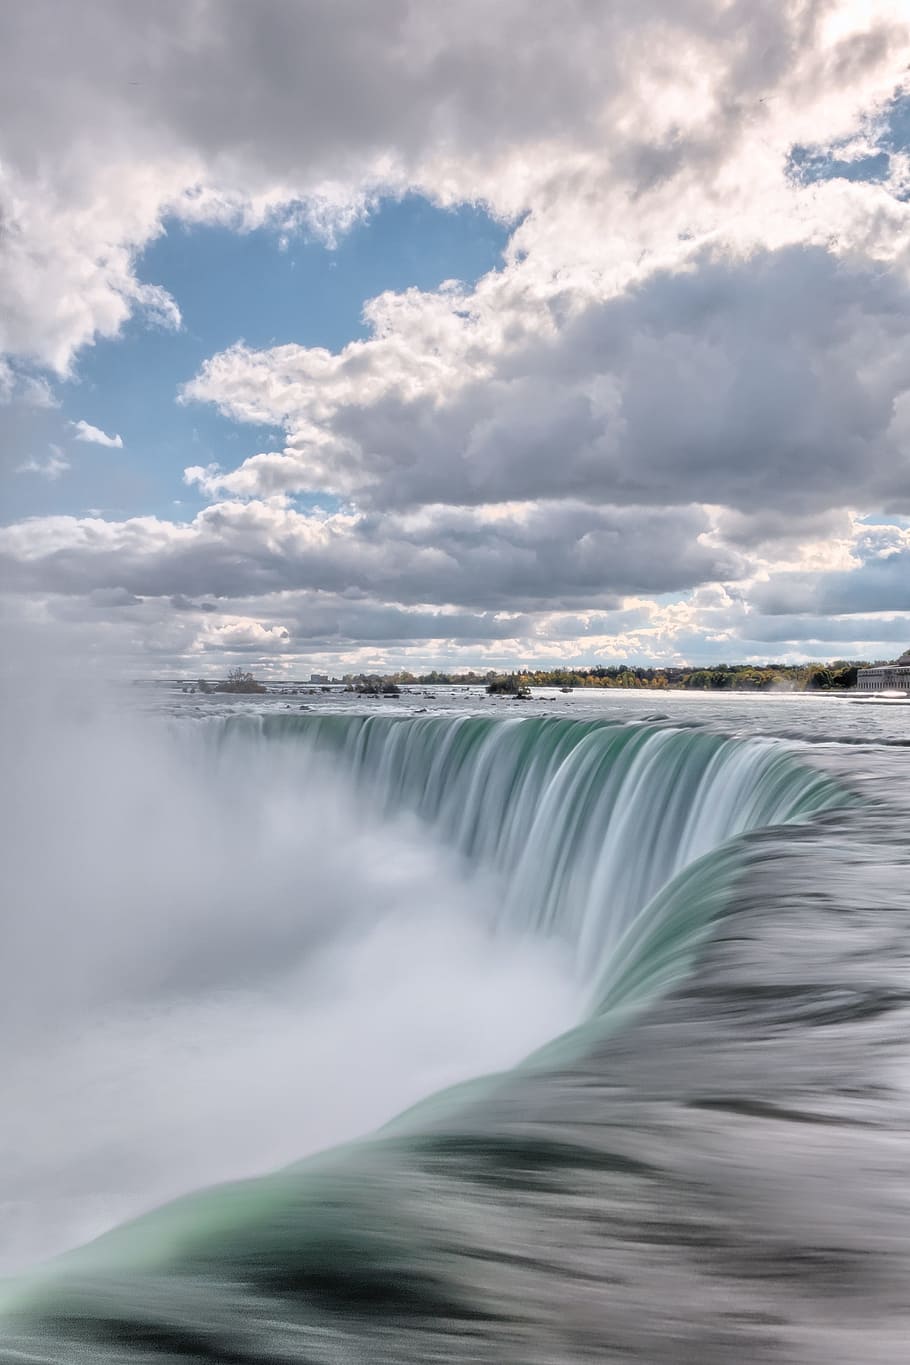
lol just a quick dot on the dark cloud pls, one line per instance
(878, 585)
(772, 529)
(334, 624)
(106, 598)
(291, 87)
(180, 602)
(768, 386)
(544, 444)
(559, 555)
(827, 630)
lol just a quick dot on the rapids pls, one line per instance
(694, 1157)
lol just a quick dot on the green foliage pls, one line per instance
(376, 686)
(838, 675)
(509, 686)
(240, 681)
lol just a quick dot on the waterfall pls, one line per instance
(584, 822)
(618, 841)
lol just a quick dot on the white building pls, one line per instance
(886, 677)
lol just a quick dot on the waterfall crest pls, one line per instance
(585, 822)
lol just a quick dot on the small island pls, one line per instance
(509, 686)
(238, 680)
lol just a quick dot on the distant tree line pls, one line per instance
(840, 674)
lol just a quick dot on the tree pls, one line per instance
(508, 687)
(238, 680)
(818, 679)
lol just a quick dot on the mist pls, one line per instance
(217, 960)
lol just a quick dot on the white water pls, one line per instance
(222, 957)
(209, 974)
(584, 823)
(714, 1176)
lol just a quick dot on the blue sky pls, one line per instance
(664, 417)
(892, 139)
(267, 287)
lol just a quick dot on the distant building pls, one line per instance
(319, 677)
(886, 677)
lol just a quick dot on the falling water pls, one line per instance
(683, 1140)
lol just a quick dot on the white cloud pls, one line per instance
(623, 132)
(95, 436)
(487, 587)
(737, 381)
(686, 378)
(527, 557)
(29, 390)
(51, 467)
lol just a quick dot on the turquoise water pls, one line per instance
(723, 904)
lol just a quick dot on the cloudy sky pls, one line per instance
(337, 334)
